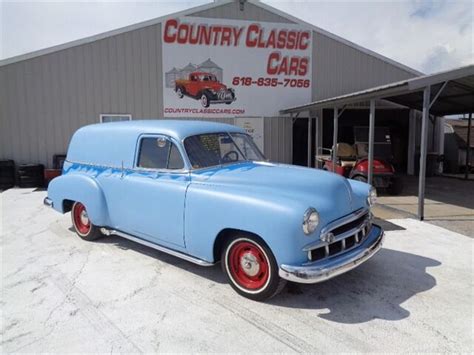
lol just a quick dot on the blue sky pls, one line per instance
(427, 35)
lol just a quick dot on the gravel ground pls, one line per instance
(61, 294)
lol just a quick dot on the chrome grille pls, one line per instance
(341, 237)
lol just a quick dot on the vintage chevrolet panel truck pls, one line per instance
(203, 192)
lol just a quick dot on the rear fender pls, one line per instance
(81, 188)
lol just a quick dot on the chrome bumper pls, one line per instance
(339, 264)
(48, 202)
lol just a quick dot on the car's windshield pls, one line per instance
(208, 78)
(211, 149)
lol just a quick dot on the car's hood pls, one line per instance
(215, 86)
(317, 188)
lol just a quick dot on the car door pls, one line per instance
(154, 191)
(193, 85)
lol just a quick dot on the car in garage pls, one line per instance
(203, 192)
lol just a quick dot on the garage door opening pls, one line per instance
(300, 142)
(395, 121)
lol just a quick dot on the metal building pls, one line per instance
(48, 94)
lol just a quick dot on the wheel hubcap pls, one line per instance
(248, 265)
(84, 217)
(81, 218)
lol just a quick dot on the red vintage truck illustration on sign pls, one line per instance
(206, 88)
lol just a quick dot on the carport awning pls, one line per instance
(452, 92)
(446, 93)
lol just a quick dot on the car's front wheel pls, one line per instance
(205, 100)
(251, 268)
(82, 224)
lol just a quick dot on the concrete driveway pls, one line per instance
(449, 203)
(61, 294)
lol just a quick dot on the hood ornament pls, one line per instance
(328, 237)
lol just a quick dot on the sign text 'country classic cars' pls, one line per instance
(273, 70)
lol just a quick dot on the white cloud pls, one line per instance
(31, 25)
(426, 35)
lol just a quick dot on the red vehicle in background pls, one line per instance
(352, 160)
(206, 88)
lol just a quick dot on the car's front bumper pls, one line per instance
(222, 101)
(339, 264)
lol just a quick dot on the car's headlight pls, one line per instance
(372, 198)
(310, 220)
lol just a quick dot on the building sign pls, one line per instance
(230, 68)
(254, 127)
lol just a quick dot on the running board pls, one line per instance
(178, 254)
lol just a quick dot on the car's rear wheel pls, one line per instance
(82, 224)
(179, 92)
(251, 268)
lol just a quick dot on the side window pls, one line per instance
(175, 160)
(159, 153)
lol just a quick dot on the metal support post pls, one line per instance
(310, 136)
(411, 142)
(423, 149)
(468, 148)
(334, 139)
(371, 140)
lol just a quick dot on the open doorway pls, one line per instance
(395, 120)
(300, 142)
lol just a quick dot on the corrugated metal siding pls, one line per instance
(232, 11)
(278, 139)
(45, 99)
(340, 69)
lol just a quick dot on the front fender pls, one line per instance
(211, 209)
(82, 188)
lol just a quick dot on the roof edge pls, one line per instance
(382, 91)
(191, 11)
(352, 97)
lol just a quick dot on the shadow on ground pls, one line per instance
(443, 190)
(375, 290)
(388, 226)
(213, 273)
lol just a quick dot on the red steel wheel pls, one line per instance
(251, 268)
(82, 224)
(81, 219)
(248, 265)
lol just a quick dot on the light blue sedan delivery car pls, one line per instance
(204, 192)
